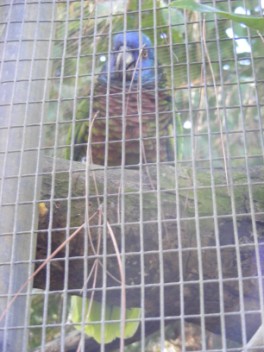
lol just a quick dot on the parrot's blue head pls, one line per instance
(132, 55)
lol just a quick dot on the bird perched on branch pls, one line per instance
(130, 118)
(127, 120)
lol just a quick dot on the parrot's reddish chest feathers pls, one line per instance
(130, 120)
(130, 127)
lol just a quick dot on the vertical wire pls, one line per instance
(125, 100)
(189, 84)
(105, 193)
(5, 40)
(234, 213)
(36, 183)
(159, 206)
(14, 234)
(258, 100)
(42, 113)
(52, 191)
(250, 193)
(198, 235)
(214, 197)
(255, 237)
(177, 186)
(70, 187)
(141, 190)
(88, 172)
(213, 188)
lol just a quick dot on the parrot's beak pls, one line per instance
(125, 61)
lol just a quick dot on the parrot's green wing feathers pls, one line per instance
(93, 316)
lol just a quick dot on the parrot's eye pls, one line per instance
(144, 53)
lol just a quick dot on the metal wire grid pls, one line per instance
(24, 74)
(27, 169)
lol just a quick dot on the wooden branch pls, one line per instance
(174, 242)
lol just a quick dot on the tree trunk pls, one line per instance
(201, 256)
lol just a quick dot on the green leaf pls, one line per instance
(175, 19)
(250, 21)
(93, 328)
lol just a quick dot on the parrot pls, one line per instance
(131, 109)
(131, 123)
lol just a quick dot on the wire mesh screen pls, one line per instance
(132, 184)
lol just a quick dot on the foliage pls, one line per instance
(93, 315)
(53, 317)
(251, 22)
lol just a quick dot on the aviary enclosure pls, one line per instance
(132, 177)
